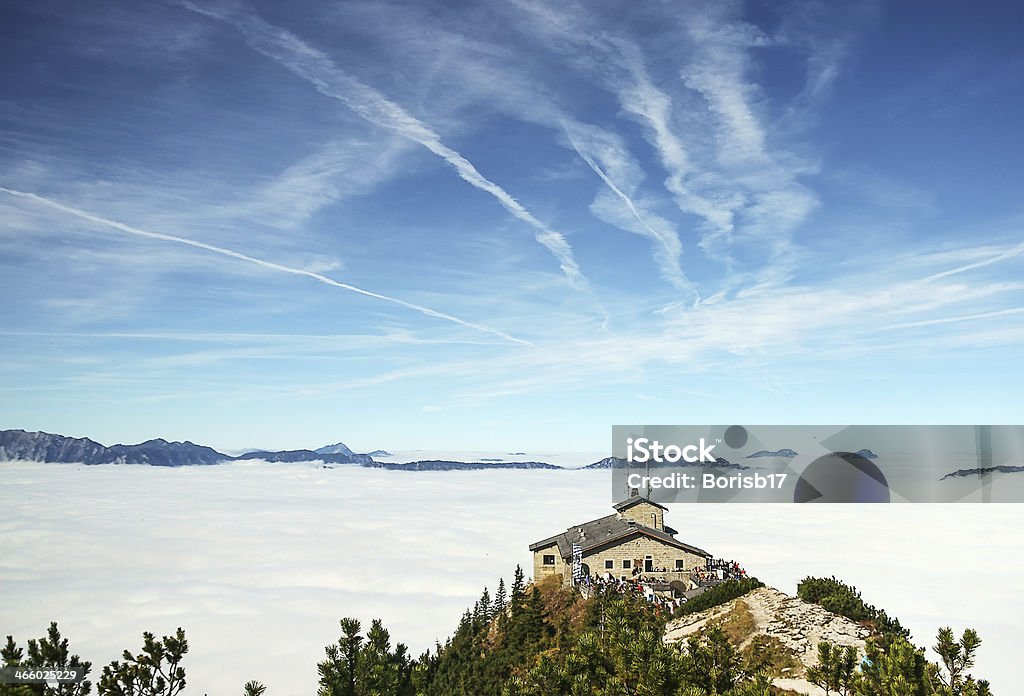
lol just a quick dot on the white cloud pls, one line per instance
(717, 149)
(314, 66)
(606, 156)
(339, 169)
(258, 562)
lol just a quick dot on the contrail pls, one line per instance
(951, 320)
(316, 68)
(670, 266)
(85, 215)
(1001, 256)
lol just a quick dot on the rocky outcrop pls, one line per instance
(798, 625)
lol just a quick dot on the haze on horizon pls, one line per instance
(507, 226)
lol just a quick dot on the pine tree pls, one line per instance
(338, 671)
(900, 670)
(358, 666)
(711, 663)
(957, 657)
(376, 671)
(253, 688)
(500, 598)
(12, 659)
(156, 671)
(835, 669)
(485, 606)
(518, 587)
(475, 618)
(424, 671)
(527, 627)
(52, 653)
(48, 653)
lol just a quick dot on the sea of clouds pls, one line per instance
(259, 561)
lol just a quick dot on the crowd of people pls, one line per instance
(718, 570)
(653, 584)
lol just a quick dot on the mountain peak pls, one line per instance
(336, 448)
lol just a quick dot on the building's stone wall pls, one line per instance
(645, 514)
(541, 571)
(662, 556)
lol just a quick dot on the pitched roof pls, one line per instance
(609, 529)
(636, 500)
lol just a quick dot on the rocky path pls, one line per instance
(798, 625)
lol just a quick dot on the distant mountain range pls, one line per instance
(608, 463)
(46, 447)
(619, 463)
(445, 465)
(342, 448)
(1003, 469)
(789, 454)
(786, 452)
(308, 456)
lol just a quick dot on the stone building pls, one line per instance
(633, 540)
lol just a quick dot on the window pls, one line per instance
(549, 559)
(627, 563)
(679, 564)
(609, 564)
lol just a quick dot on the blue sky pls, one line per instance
(506, 225)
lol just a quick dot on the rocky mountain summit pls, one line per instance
(790, 627)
